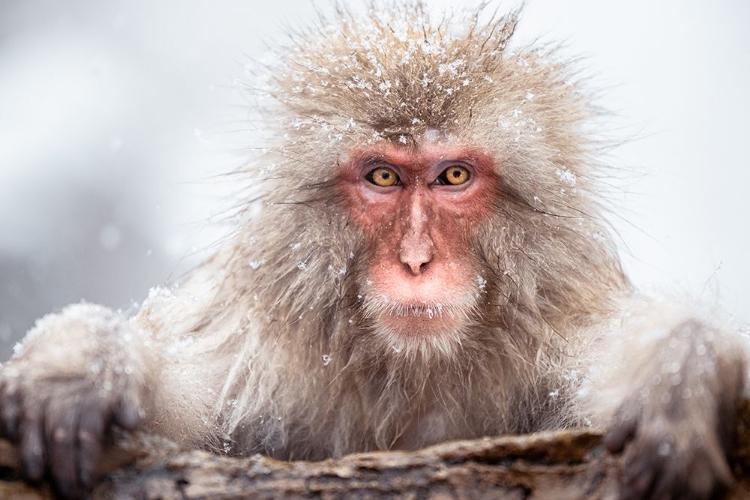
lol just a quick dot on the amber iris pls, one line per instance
(455, 175)
(383, 177)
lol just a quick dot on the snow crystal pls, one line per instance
(255, 264)
(481, 282)
(326, 359)
(566, 176)
(176, 348)
(431, 135)
(159, 293)
(451, 68)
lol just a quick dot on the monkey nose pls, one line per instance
(416, 256)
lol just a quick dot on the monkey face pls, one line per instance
(417, 208)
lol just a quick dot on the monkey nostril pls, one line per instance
(416, 268)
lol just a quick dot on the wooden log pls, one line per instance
(551, 465)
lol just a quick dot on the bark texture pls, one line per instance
(553, 465)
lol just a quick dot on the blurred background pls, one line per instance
(117, 119)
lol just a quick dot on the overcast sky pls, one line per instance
(114, 116)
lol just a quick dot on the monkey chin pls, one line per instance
(422, 333)
(421, 321)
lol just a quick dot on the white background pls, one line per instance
(115, 118)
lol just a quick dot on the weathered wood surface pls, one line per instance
(554, 465)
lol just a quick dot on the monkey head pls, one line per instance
(454, 172)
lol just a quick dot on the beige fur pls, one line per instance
(270, 348)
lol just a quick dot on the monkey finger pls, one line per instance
(668, 482)
(90, 441)
(127, 414)
(32, 444)
(637, 481)
(61, 439)
(716, 456)
(621, 431)
(10, 411)
(703, 477)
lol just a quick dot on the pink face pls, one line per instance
(417, 210)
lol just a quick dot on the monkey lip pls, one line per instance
(418, 318)
(429, 311)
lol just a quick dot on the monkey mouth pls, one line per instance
(428, 311)
(419, 318)
(382, 305)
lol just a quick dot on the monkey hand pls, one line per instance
(676, 428)
(77, 376)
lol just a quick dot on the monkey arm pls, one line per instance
(76, 375)
(672, 401)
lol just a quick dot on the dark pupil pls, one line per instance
(456, 173)
(385, 175)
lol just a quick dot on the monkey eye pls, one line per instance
(454, 175)
(383, 177)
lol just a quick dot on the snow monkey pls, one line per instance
(430, 262)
